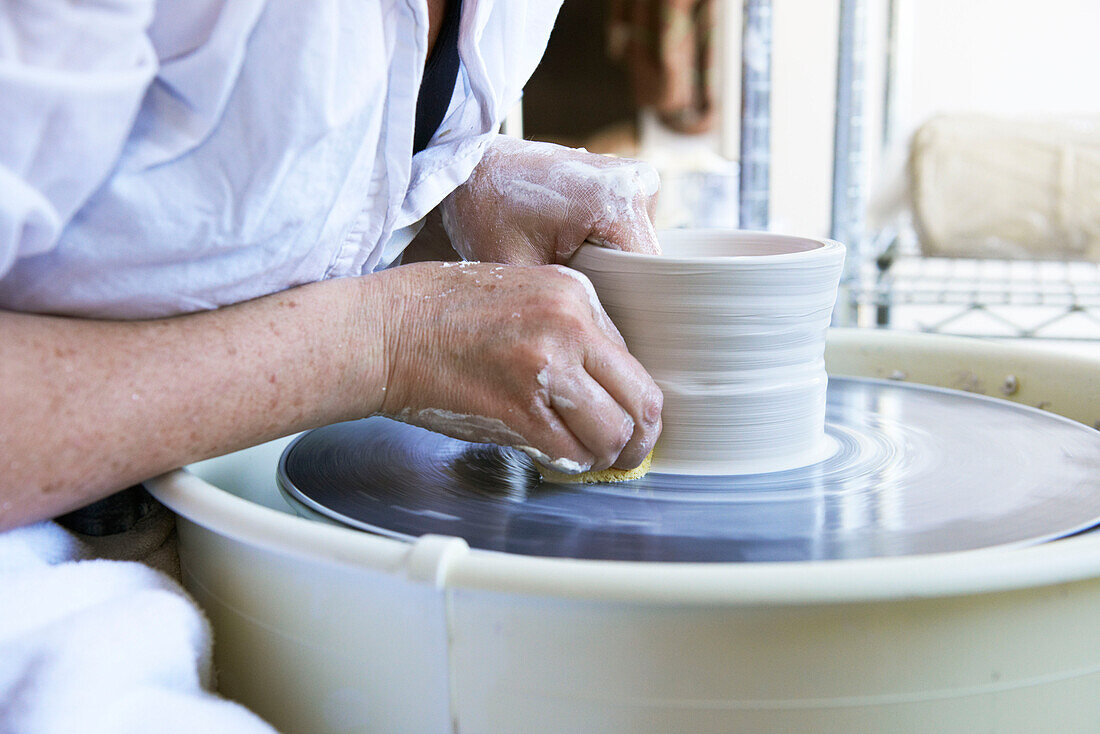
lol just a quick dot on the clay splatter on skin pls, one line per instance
(551, 184)
(566, 466)
(627, 182)
(556, 402)
(536, 196)
(462, 426)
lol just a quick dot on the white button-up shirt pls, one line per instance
(159, 158)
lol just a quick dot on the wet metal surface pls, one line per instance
(916, 470)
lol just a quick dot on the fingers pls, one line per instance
(631, 387)
(591, 414)
(633, 233)
(559, 448)
(624, 380)
(626, 202)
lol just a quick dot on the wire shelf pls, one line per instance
(1000, 298)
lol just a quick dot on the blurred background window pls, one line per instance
(953, 145)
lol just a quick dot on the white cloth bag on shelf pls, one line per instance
(989, 187)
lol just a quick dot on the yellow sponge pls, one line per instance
(597, 477)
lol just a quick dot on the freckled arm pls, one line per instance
(89, 407)
(483, 352)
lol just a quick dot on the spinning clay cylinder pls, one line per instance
(731, 325)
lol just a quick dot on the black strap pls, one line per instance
(440, 74)
(111, 515)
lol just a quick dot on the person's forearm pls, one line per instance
(90, 407)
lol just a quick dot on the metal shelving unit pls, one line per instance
(1033, 299)
(849, 176)
(887, 281)
(887, 274)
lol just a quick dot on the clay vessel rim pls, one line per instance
(674, 242)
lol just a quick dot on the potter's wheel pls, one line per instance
(324, 628)
(916, 470)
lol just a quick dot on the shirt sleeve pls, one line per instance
(72, 78)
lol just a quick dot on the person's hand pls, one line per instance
(517, 356)
(533, 203)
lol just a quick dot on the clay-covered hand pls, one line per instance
(531, 203)
(517, 356)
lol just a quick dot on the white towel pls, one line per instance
(101, 646)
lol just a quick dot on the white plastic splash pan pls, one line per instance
(325, 629)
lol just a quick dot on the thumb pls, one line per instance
(631, 226)
(631, 231)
